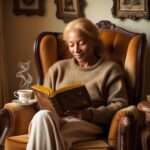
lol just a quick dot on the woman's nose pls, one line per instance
(76, 48)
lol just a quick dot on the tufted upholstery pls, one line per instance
(122, 46)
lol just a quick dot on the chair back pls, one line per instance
(119, 45)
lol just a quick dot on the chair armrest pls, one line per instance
(21, 117)
(17, 118)
(124, 128)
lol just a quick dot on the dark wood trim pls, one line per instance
(144, 106)
(140, 69)
(107, 25)
(5, 116)
(145, 137)
(37, 54)
(1, 147)
(127, 133)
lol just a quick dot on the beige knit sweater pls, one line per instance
(104, 82)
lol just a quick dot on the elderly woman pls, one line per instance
(103, 79)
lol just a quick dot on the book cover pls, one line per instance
(68, 98)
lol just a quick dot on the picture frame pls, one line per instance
(29, 7)
(132, 9)
(68, 10)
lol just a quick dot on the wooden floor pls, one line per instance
(1, 147)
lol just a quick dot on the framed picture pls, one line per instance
(68, 10)
(132, 9)
(29, 7)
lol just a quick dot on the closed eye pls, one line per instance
(70, 44)
(82, 42)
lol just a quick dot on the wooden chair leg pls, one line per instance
(5, 116)
(1, 147)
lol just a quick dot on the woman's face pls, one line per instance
(80, 45)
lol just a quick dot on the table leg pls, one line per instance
(145, 137)
(1, 147)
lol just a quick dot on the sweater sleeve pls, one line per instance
(48, 82)
(115, 95)
(50, 78)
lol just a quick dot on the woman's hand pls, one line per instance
(84, 114)
(44, 101)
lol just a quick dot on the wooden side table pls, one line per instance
(144, 106)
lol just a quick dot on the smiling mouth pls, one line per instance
(80, 55)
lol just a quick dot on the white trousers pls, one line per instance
(50, 132)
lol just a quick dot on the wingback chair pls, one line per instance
(124, 47)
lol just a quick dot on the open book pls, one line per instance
(72, 97)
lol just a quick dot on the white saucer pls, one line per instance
(32, 101)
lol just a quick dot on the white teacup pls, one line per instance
(23, 95)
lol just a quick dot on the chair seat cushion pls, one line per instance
(91, 145)
(16, 142)
(19, 143)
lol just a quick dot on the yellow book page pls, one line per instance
(43, 89)
(69, 87)
(52, 93)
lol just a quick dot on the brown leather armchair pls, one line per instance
(122, 46)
